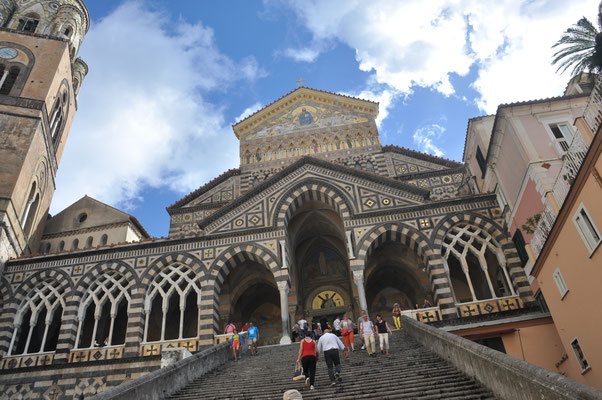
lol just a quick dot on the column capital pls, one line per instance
(358, 275)
(283, 286)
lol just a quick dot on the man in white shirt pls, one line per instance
(337, 326)
(367, 332)
(303, 326)
(329, 344)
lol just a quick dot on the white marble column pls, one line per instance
(350, 246)
(358, 278)
(286, 333)
(283, 251)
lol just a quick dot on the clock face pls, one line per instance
(8, 53)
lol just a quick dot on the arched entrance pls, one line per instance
(317, 243)
(250, 294)
(395, 274)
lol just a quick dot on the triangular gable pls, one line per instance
(410, 162)
(96, 214)
(219, 190)
(288, 109)
(365, 193)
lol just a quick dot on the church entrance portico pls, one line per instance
(320, 261)
(249, 293)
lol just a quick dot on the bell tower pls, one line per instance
(40, 77)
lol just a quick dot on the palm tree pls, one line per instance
(581, 47)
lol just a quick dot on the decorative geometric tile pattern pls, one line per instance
(490, 306)
(153, 349)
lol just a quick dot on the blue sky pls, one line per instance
(168, 78)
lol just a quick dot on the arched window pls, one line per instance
(476, 264)
(8, 79)
(314, 146)
(172, 304)
(38, 320)
(103, 312)
(338, 143)
(255, 182)
(349, 142)
(369, 166)
(75, 244)
(248, 157)
(358, 166)
(29, 211)
(28, 23)
(103, 239)
(44, 248)
(89, 241)
(270, 155)
(61, 246)
(56, 120)
(258, 156)
(280, 152)
(68, 31)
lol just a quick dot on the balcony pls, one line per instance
(571, 163)
(593, 111)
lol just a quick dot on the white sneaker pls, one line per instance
(363, 347)
(311, 387)
(306, 382)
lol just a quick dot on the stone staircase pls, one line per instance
(409, 372)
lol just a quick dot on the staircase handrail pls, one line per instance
(507, 377)
(166, 381)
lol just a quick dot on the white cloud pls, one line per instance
(249, 110)
(305, 54)
(143, 119)
(425, 137)
(418, 43)
(384, 98)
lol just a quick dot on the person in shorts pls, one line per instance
(236, 343)
(253, 333)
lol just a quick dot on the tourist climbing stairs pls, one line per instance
(410, 372)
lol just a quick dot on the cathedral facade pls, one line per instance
(318, 221)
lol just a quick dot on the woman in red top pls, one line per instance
(308, 357)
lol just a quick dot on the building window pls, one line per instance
(61, 246)
(74, 244)
(103, 239)
(476, 264)
(562, 133)
(588, 231)
(580, 356)
(560, 283)
(481, 161)
(8, 79)
(89, 241)
(103, 313)
(519, 242)
(28, 24)
(38, 320)
(172, 305)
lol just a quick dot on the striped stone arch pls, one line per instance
(135, 332)
(415, 240)
(226, 262)
(32, 281)
(240, 289)
(11, 307)
(513, 264)
(311, 190)
(7, 313)
(70, 323)
(183, 258)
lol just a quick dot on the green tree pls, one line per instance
(580, 47)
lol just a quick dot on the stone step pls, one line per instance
(409, 372)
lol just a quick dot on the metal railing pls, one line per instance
(571, 162)
(543, 229)
(593, 111)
